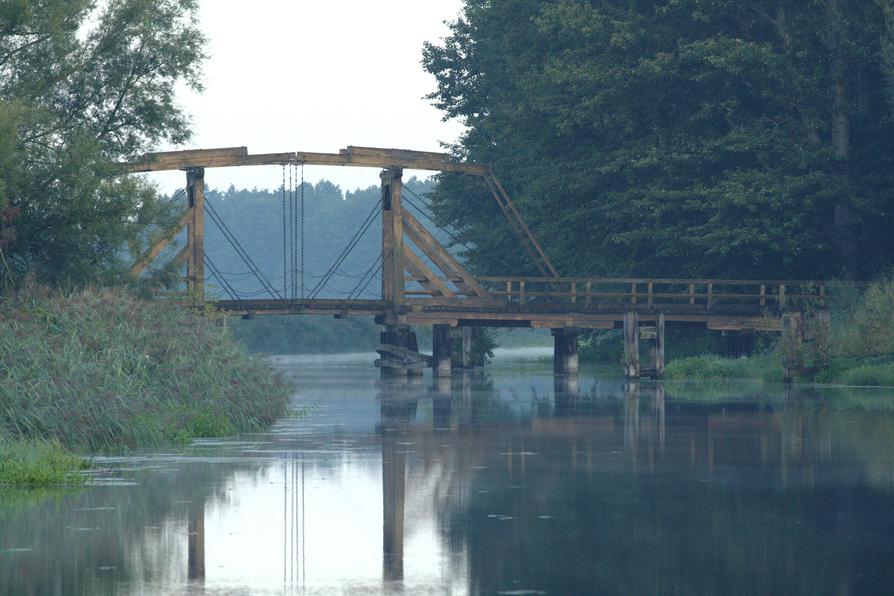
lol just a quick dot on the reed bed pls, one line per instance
(101, 370)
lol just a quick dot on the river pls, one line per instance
(510, 482)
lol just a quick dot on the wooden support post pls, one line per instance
(792, 340)
(631, 345)
(399, 352)
(195, 236)
(442, 351)
(565, 352)
(392, 237)
(656, 347)
(467, 348)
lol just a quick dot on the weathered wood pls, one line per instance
(442, 351)
(396, 186)
(429, 279)
(195, 264)
(792, 340)
(631, 345)
(656, 347)
(388, 273)
(524, 226)
(352, 156)
(565, 351)
(467, 362)
(446, 262)
(167, 236)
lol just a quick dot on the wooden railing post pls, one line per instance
(649, 294)
(521, 291)
(782, 299)
(573, 292)
(710, 295)
(509, 290)
(589, 292)
(691, 293)
(763, 294)
(633, 293)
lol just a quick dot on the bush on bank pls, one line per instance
(861, 345)
(38, 462)
(105, 371)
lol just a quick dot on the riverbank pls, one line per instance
(103, 371)
(858, 351)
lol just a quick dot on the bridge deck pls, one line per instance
(595, 303)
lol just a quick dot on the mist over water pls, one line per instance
(510, 482)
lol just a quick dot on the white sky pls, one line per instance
(289, 75)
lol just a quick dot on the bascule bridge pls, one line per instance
(423, 284)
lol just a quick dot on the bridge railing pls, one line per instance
(699, 294)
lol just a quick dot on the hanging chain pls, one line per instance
(302, 230)
(291, 232)
(284, 265)
(294, 173)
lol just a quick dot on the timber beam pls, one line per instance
(364, 157)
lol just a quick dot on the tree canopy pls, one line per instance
(727, 138)
(83, 84)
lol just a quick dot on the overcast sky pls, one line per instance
(289, 75)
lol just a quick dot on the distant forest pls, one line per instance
(332, 219)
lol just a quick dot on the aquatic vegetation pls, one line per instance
(103, 370)
(36, 462)
(764, 367)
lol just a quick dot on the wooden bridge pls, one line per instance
(424, 284)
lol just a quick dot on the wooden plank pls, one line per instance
(353, 156)
(404, 353)
(139, 266)
(416, 266)
(427, 243)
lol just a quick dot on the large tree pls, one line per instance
(82, 85)
(735, 138)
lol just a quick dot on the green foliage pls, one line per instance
(36, 462)
(83, 84)
(766, 367)
(867, 326)
(674, 138)
(101, 370)
(869, 374)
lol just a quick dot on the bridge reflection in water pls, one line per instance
(506, 482)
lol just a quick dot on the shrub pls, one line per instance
(36, 462)
(102, 370)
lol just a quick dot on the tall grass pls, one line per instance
(859, 351)
(36, 462)
(103, 370)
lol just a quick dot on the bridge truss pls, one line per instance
(424, 284)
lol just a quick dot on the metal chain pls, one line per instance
(302, 230)
(284, 265)
(291, 229)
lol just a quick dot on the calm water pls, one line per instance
(510, 483)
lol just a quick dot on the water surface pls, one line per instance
(513, 482)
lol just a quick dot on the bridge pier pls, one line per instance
(565, 351)
(399, 353)
(442, 351)
(631, 345)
